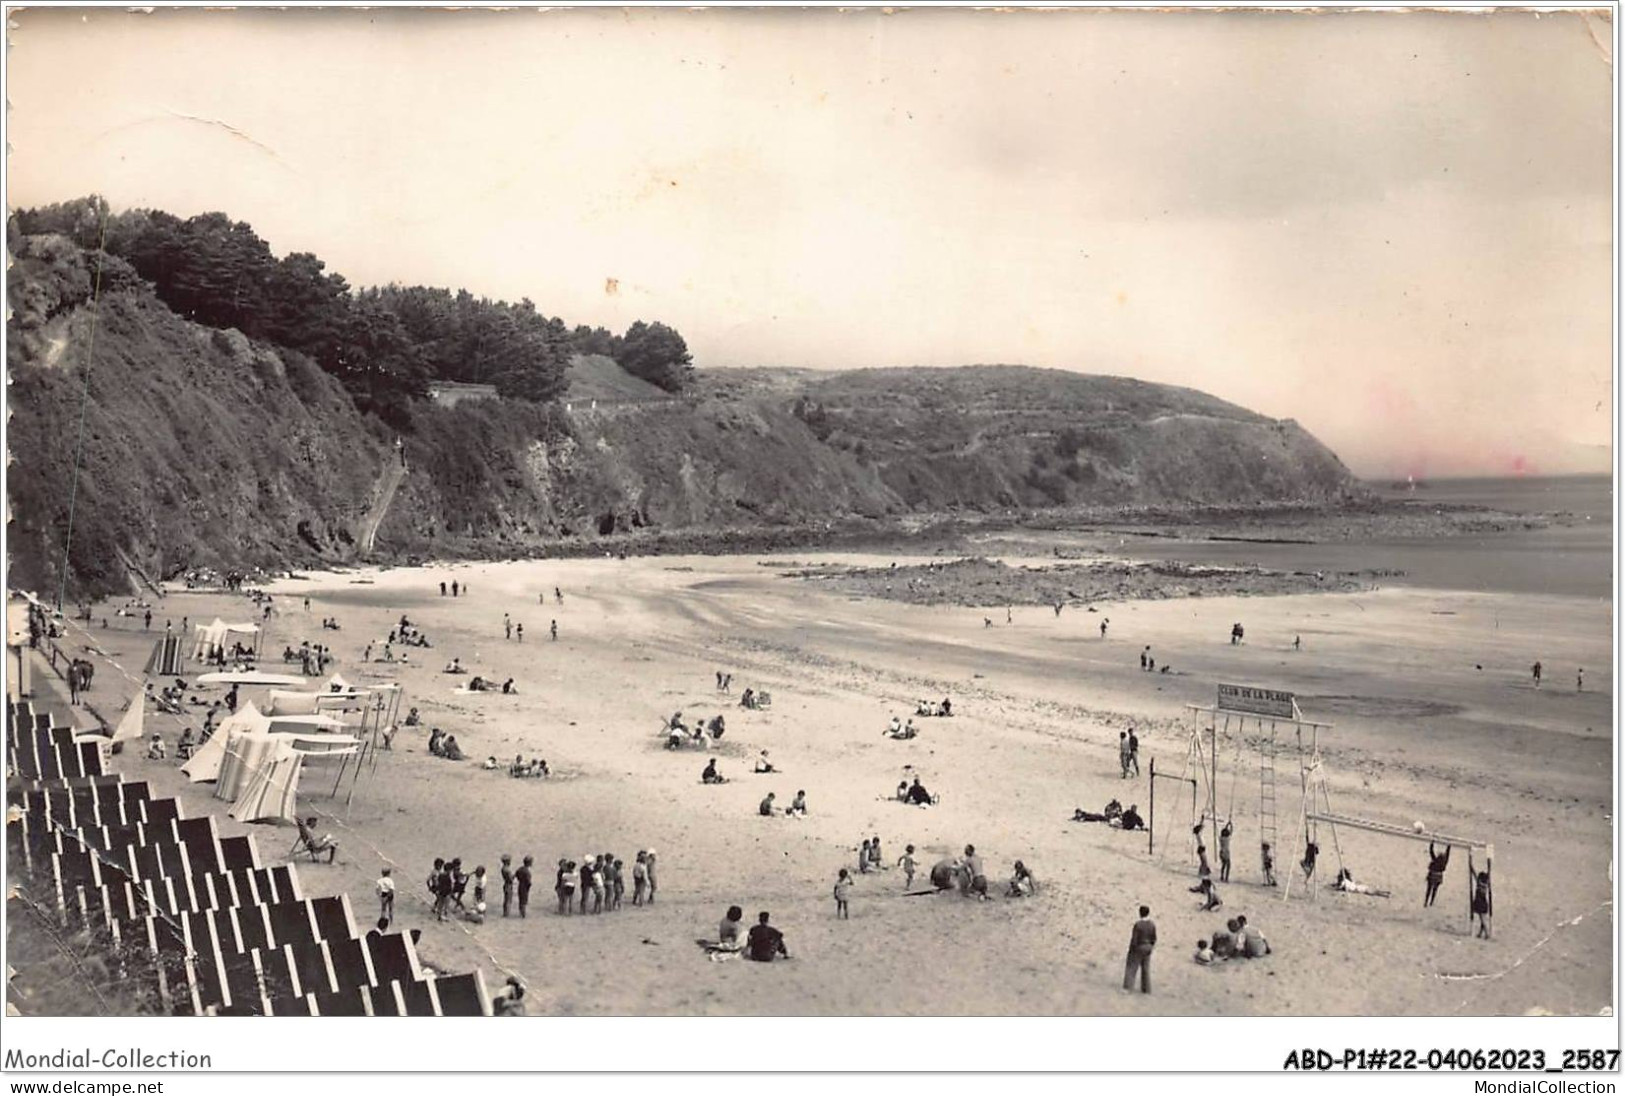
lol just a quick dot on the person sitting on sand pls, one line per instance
(412, 718)
(508, 688)
(945, 874)
(185, 747)
(435, 737)
(450, 750)
(918, 796)
(1204, 954)
(456, 667)
(155, 748)
(710, 775)
(1250, 942)
(517, 767)
(765, 808)
(1131, 818)
(798, 806)
(674, 737)
(895, 727)
(1346, 884)
(763, 765)
(490, 763)
(1023, 884)
(947, 708)
(729, 934)
(765, 943)
(1224, 940)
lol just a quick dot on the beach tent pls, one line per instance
(272, 782)
(291, 703)
(212, 637)
(210, 757)
(308, 723)
(132, 725)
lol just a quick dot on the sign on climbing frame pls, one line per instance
(1245, 698)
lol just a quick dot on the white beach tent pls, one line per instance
(206, 762)
(271, 785)
(211, 637)
(132, 725)
(283, 702)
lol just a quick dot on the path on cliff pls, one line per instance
(394, 473)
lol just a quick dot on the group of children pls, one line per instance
(1237, 940)
(602, 881)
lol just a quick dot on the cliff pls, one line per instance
(203, 448)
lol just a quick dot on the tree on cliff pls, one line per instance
(658, 354)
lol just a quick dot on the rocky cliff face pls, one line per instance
(203, 449)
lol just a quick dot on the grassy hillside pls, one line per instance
(203, 448)
(594, 377)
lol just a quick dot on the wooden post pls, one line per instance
(1151, 826)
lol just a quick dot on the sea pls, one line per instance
(1570, 557)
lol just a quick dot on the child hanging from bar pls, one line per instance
(1483, 902)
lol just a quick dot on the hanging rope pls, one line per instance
(1235, 771)
(84, 404)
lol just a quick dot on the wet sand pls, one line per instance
(1421, 734)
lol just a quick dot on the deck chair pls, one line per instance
(312, 846)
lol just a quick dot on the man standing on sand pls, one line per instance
(507, 626)
(1103, 624)
(1141, 942)
(1580, 680)
(1134, 751)
(1535, 669)
(1224, 851)
(553, 627)
(507, 884)
(1122, 754)
(649, 867)
(1145, 654)
(522, 879)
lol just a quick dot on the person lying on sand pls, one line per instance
(1346, 884)
(1112, 815)
(478, 684)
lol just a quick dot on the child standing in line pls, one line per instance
(640, 879)
(479, 891)
(843, 889)
(386, 897)
(619, 885)
(906, 862)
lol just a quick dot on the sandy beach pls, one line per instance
(1436, 720)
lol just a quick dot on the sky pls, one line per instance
(1395, 228)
